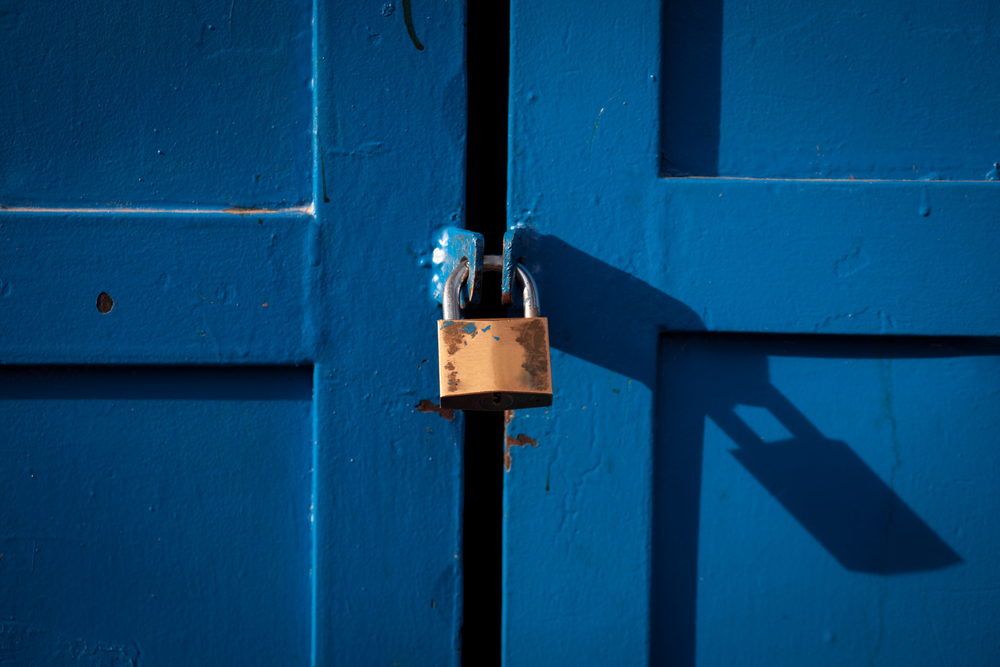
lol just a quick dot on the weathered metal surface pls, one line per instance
(454, 245)
(192, 288)
(521, 440)
(515, 250)
(653, 532)
(509, 367)
(236, 443)
(494, 364)
(140, 104)
(391, 123)
(530, 301)
(148, 509)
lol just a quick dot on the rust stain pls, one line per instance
(452, 377)
(245, 210)
(430, 406)
(532, 339)
(521, 440)
(453, 337)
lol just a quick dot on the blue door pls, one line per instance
(212, 221)
(766, 238)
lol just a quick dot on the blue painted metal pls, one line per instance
(515, 250)
(188, 288)
(142, 104)
(454, 245)
(388, 561)
(824, 498)
(630, 519)
(148, 509)
(845, 91)
(324, 519)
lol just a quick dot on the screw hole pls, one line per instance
(105, 303)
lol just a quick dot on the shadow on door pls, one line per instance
(607, 316)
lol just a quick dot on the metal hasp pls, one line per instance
(455, 244)
(493, 364)
(515, 250)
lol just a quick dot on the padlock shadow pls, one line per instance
(834, 495)
(608, 317)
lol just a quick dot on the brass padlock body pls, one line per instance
(494, 364)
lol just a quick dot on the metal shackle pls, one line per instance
(460, 274)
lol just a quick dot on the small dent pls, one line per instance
(105, 303)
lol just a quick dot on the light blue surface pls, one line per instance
(626, 260)
(453, 245)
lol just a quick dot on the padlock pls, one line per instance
(493, 364)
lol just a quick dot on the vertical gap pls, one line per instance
(316, 380)
(314, 419)
(488, 42)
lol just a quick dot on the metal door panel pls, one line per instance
(200, 287)
(145, 104)
(824, 499)
(358, 139)
(886, 90)
(150, 511)
(623, 256)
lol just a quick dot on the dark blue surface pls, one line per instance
(150, 104)
(149, 511)
(140, 148)
(887, 90)
(616, 517)
(800, 479)
(391, 123)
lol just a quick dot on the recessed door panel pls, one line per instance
(822, 499)
(158, 515)
(856, 89)
(164, 104)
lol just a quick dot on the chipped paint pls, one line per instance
(533, 337)
(453, 380)
(453, 246)
(521, 440)
(772, 254)
(256, 101)
(21, 644)
(430, 406)
(509, 370)
(453, 337)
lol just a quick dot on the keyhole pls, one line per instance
(497, 398)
